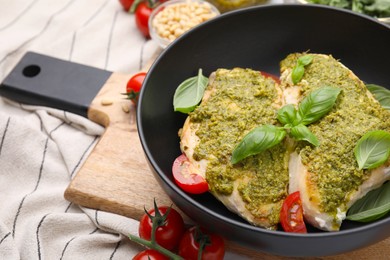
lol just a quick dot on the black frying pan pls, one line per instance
(259, 38)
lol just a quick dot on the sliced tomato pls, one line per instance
(269, 75)
(190, 182)
(291, 215)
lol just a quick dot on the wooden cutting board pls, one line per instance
(116, 176)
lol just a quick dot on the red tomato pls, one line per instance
(187, 181)
(170, 229)
(150, 254)
(291, 215)
(214, 246)
(126, 4)
(269, 75)
(134, 86)
(142, 14)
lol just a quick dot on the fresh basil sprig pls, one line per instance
(287, 115)
(302, 133)
(373, 149)
(299, 68)
(189, 93)
(258, 140)
(317, 104)
(314, 106)
(373, 206)
(381, 94)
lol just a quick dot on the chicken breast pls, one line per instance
(234, 103)
(327, 176)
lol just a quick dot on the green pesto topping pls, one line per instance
(242, 99)
(332, 164)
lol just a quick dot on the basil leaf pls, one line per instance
(297, 73)
(287, 115)
(189, 93)
(373, 149)
(371, 207)
(381, 94)
(258, 140)
(317, 104)
(299, 68)
(305, 60)
(301, 132)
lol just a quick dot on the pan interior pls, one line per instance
(257, 38)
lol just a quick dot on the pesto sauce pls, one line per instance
(228, 5)
(332, 164)
(243, 99)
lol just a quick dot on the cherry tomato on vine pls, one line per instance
(291, 215)
(142, 14)
(211, 245)
(190, 182)
(170, 226)
(134, 86)
(142, 10)
(150, 254)
(126, 4)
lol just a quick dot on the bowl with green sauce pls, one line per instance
(229, 5)
(379, 9)
(259, 38)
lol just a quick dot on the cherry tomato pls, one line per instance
(213, 249)
(269, 75)
(142, 14)
(291, 215)
(142, 10)
(126, 4)
(170, 229)
(134, 86)
(150, 254)
(187, 181)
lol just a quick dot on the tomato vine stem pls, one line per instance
(153, 245)
(157, 221)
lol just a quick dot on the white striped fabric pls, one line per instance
(41, 149)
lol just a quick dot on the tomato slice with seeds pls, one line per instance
(190, 182)
(291, 215)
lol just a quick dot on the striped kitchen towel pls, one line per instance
(41, 149)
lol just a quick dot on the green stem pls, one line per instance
(202, 245)
(157, 221)
(153, 245)
(134, 6)
(152, 3)
(156, 224)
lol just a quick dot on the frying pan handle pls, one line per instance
(46, 81)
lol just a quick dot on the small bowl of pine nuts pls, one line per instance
(173, 18)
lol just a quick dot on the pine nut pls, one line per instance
(172, 21)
